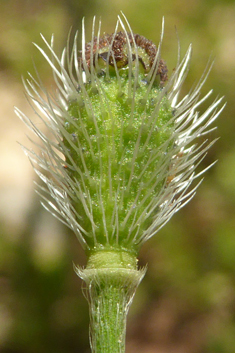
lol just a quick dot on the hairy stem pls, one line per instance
(110, 291)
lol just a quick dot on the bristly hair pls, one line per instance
(123, 51)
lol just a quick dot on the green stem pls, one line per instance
(110, 292)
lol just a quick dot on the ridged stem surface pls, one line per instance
(110, 291)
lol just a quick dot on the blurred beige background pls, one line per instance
(186, 303)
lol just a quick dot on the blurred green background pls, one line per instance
(186, 303)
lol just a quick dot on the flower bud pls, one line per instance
(122, 155)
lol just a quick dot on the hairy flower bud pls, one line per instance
(123, 155)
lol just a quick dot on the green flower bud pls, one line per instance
(129, 156)
(117, 137)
